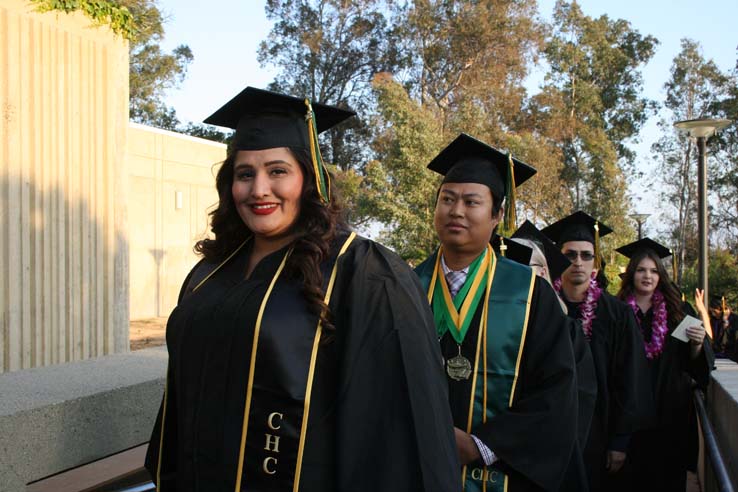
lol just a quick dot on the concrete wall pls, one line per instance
(171, 190)
(722, 408)
(63, 233)
(56, 418)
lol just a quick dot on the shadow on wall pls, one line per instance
(64, 267)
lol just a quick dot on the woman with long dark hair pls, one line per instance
(301, 356)
(658, 457)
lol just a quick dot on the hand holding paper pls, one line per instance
(680, 332)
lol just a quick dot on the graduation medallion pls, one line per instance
(458, 368)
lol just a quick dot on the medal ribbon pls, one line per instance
(446, 311)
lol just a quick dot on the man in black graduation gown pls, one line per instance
(503, 335)
(624, 403)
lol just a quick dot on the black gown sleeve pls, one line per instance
(168, 442)
(586, 380)
(536, 436)
(394, 424)
(168, 452)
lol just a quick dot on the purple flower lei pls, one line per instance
(659, 326)
(587, 309)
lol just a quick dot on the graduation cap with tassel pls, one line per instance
(579, 226)
(264, 120)
(468, 160)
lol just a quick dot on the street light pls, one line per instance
(640, 218)
(701, 129)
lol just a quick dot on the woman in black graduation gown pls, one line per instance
(658, 457)
(301, 356)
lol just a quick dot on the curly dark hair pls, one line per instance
(671, 294)
(315, 229)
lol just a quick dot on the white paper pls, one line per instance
(680, 333)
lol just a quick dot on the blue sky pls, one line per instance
(224, 36)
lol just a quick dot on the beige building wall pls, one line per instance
(63, 232)
(171, 190)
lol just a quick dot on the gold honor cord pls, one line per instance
(522, 337)
(311, 373)
(166, 381)
(485, 315)
(491, 267)
(161, 437)
(457, 317)
(249, 387)
(221, 264)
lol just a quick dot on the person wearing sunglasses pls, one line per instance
(624, 403)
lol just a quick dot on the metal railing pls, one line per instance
(144, 487)
(712, 450)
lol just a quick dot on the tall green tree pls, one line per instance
(152, 71)
(590, 107)
(329, 50)
(724, 167)
(692, 91)
(398, 188)
(468, 60)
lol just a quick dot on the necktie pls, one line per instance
(455, 281)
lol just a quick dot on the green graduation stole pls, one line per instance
(509, 287)
(455, 315)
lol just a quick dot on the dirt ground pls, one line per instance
(147, 332)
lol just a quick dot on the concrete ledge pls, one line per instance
(60, 417)
(722, 408)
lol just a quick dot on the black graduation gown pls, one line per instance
(379, 417)
(658, 457)
(624, 403)
(534, 439)
(725, 343)
(576, 474)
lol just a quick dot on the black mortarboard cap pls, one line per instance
(264, 119)
(630, 250)
(578, 226)
(557, 262)
(468, 160)
(516, 252)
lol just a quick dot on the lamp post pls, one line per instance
(701, 129)
(640, 219)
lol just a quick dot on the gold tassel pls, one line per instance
(503, 246)
(322, 178)
(510, 222)
(673, 265)
(598, 263)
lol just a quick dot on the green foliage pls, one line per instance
(590, 106)
(151, 71)
(724, 165)
(207, 132)
(329, 50)
(722, 275)
(692, 90)
(118, 17)
(399, 190)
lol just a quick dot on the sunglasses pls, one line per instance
(572, 255)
